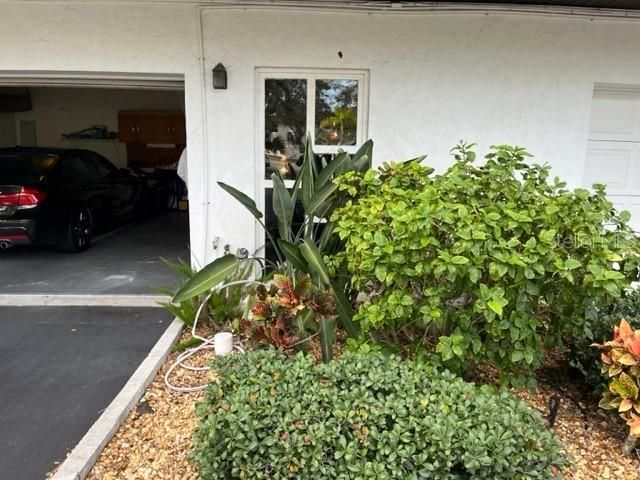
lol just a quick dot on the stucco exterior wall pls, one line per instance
(434, 79)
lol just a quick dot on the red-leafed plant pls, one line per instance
(621, 363)
(287, 311)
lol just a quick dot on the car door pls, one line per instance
(123, 187)
(83, 183)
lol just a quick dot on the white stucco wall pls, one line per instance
(434, 79)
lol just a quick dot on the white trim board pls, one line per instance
(46, 300)
(49, 78)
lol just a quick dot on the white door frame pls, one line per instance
(263, 73)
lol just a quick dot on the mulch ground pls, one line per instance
(155, 440)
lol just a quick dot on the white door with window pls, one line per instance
(328, 105)
(613, 150)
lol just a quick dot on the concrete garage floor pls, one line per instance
(124, 262)
(60, 367)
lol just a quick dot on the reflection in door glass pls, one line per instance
(285, 125)
(336, 112)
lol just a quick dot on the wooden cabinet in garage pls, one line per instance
(151, 127)
(153, 138)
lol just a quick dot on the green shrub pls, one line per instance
(484, 262)
(363, 416)
(223, 307)
(585, 358)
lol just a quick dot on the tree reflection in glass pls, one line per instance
(336, 112)
(285, 126)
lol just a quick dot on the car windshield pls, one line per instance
(26, 165)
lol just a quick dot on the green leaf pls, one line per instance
(345, 311)
(625, 386)
(293, 255)
(283, 206)
(517, 356)
(380, 239)
(459, 260)
(496, 306)
(625, 216)
(210, 276)
(325, 236)
(418, 160)
(572, 264)
(474, 274)
(315, 261)
(320, 197)
(613, 275)
(327, 337)
(246, 202)
(328, 172)
(363, 158)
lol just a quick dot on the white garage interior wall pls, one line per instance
(613, 151)
(8, 136)
(58, 110)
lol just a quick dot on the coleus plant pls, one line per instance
(288, 311)
(621, 363)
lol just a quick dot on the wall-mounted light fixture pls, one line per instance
(219, 77)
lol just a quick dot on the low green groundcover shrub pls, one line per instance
(364, 416)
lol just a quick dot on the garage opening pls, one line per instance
(90, 193)
(613, 148)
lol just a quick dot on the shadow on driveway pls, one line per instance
(60, 367)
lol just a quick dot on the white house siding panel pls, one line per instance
(613, 149)
(106, 37)
(434, 79)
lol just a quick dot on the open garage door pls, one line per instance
(88, 164)
(613, 152)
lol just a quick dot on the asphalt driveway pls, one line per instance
(60, 367)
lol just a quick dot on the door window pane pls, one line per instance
(336, 112)
(76, 169)
(285, 125)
